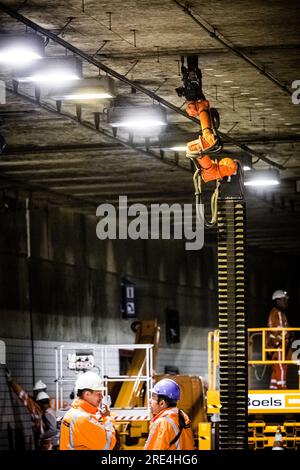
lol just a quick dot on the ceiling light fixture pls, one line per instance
(21, 50)
(51, 71)
(179, 148)
(262, 178)
(89, 89)
(253, 99)
(141, 119)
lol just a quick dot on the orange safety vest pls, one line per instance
(164, 428)
(82, 430)
(277, 319)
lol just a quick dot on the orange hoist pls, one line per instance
(228, 214)
(209, 141)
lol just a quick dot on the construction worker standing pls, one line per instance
(170, 427)
(84, 427)
(48, 439)
(277, 319)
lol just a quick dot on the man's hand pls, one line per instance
(104, 410)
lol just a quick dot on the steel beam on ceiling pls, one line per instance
(237, 51)
(124, 79)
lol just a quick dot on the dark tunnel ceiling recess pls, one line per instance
(53, 154)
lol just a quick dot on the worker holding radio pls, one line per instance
(82, 428)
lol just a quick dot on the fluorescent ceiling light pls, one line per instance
(262, 182)
(262, 178)
(253, 99)
(140, 123)
(137, 117)
(246, 168)
(20, 50)
(51, 71)
(227, 81)
(179, 148)
(89, 89)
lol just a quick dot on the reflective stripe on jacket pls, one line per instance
(277, 319)
(81, 429)
(164, 428)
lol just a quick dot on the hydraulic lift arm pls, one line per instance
(228, 213)
(209, 141)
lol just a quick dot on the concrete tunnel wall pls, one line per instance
(75, 292)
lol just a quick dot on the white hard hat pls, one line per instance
(279, 294)
(42, 396)
(39, 385)
(89, 380)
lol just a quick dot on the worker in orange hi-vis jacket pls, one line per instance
(33, 407)
(277, 319)
(170, 427)
(84, 427)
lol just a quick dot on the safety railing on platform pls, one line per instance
(144, 375)
(284, 336)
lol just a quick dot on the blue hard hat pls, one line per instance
(168, 388)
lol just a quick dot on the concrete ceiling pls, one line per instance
(249, 56)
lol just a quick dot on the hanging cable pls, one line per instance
(199, 203)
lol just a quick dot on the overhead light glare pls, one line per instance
(89, 89)
(262, 178)
(140, 118)
(140, 123)
(179, 148)
(51, 71)
(262, 182)
(20, 50)
(246, 168)
(228, 81)
(253, 99)
(54, 77)
(219, 75)
(18, 56)
(245, 92)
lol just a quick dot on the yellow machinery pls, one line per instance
(133, 429)
(267, 409)
(133, 426)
